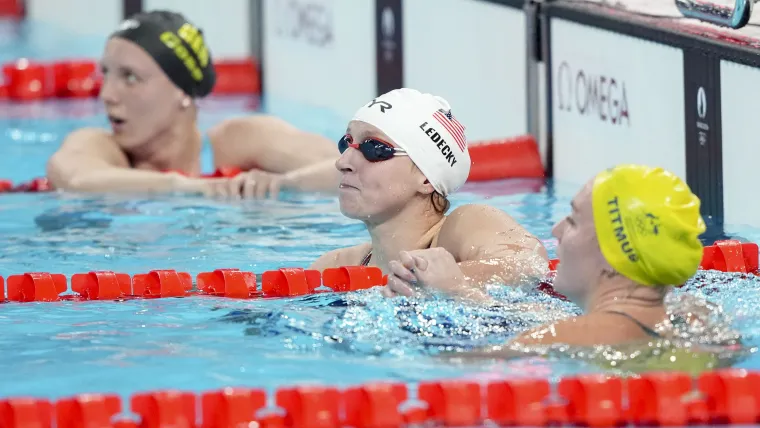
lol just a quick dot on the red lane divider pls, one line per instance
(518, 402)
(25, 412)
(12, 9)
(101, 285)
(237, 76)
(231, 407)
(592, 400)
(452, 403)
(36, 287)
(729, 256)
(724, 256)
(374, 405)
(36, 185)
(311, 406)
(349, 278)
(231, 283)
(162, 283)
(290, 282)
(28, 80)
(516, 157)
(86, 410)
(227, 283)
(165, 409)
(42, 184)
(722, 397)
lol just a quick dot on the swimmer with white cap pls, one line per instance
(403, 154)
(155, 66)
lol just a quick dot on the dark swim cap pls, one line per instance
(176, 45)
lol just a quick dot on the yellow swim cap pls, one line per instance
(648, 224)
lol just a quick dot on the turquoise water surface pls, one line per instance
(200, 343)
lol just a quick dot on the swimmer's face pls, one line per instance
(140, 100)
(377, 191)
(580, 258)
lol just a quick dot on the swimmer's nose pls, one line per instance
(108, 92)
(344, 164)
(558, 229)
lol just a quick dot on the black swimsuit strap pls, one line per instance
(646, 329)
(365, 260)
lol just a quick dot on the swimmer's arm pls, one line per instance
(492, 247)
(269, 144)
(330, 259)
(88, 161)
(575, 331)
(583, 330)
(321, 176)
(340, 257)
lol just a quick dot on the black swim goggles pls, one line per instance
(373, 149)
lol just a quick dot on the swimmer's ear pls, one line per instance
(186, 102)
(426, 188)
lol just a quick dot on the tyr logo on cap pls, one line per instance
(384, 105)
(129, 24)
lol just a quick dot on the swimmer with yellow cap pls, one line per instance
(155, 66)
(633, 233)
(404, 153)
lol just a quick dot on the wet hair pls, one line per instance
(440, 203)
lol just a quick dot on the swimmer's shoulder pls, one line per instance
(249, 124)
(349, 256)
(267, 142)
(472, 227)
(87, 136)
(585, 330)
(93, 143)
(229, 134)
(473, 214)
(85, 149)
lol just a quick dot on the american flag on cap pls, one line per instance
(452, 125)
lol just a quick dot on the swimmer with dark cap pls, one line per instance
(154, 68)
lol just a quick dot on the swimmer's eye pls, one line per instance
(124, 73)
(570, 220)
(130, 77)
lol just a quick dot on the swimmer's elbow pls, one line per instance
(63, 176)
(58, 172)
(531, 261)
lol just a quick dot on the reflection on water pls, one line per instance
(699, 334)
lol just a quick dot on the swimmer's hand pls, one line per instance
(254, 184)
(432, 268)
(260, 184)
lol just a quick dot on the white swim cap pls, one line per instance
(422, 124)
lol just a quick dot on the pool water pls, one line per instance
(200, 343)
